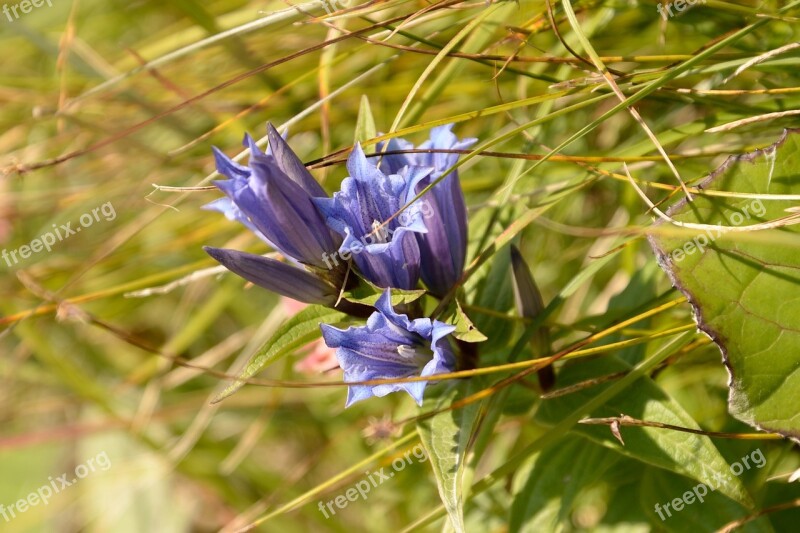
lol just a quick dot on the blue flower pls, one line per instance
(387, 256)
(390, 346)
(272, 197)
(443, 247)
(278, 277)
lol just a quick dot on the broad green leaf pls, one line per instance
(547, 489)
(446, 437)
(295, 333)
(365, 124)
(744, 288)
(623, 484)
(367, 294)
(701, 508)
(694, 456)
(465, 329)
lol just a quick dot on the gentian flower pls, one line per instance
(278, 277)
(390, 346)
(443, 247)
(272, 197)
(387, 256)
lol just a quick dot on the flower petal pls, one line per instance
(276, 276)
(291, 165)
(227, 166)
(233, 213)
(443, 246)
(281, 210)
(389, 256)
(392, 164)
(390, 346)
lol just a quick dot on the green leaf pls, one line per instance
(465, 329)
(660, 488)
(546, 438)
(744, 287)
(547, 489)
(694, 456)
(365, 124)
(446, 437)
(493, 291)
(623, 484)
(526, 293)
(530, 305)
(367, 294)
(295, 333)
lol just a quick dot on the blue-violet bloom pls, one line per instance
(391, 346)
(272, 197)
(386, 255)
(443, 247)
(275, 276)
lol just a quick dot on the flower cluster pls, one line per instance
(391, 239)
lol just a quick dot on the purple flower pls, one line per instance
(277, 277)
(272, 197)
(443, 247)
(390, 346)
(387, 256)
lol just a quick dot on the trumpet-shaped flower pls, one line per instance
(391, 346)
(275, 276)
(272, 197)
(383, 248)
(443, 247)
